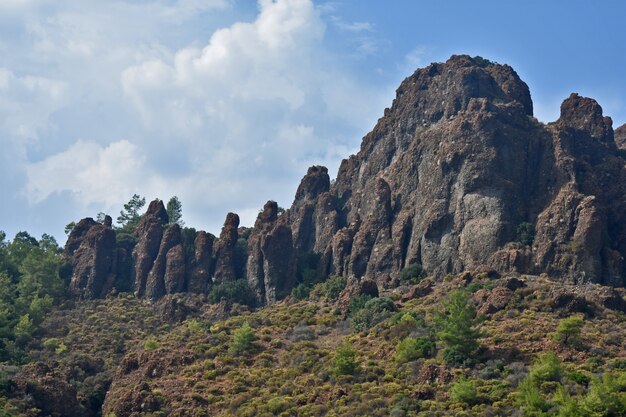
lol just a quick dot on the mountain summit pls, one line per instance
(457, 175)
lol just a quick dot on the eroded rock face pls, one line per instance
(203, 263)
(620, 137)
(170, 263)
(224, 250)
(446, 178)
(149, 233)
(271, 262)
(91, 250)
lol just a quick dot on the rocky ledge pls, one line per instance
(456, 175)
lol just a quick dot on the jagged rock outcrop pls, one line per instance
(149, 233)
(620, 137)
(447, 178)
(167, 275)
(271, 262)
(224, 250)
(92, 253)
(202, 264)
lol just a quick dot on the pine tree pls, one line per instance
(457, 328)
(129, 217)
(174, 210)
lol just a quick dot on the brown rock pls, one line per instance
(155, 284)
(422, 289)
(497, 300)
(203, 263)
(149, 232)
(356, 287)
(46, 390)
(92, 252)
(271, 261)
(224, 250)
(620, 137)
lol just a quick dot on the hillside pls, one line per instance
(467, 261)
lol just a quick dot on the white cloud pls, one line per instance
(90, 172)
(224, 122)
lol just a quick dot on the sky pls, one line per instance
(225, 103)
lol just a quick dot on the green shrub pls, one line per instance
(568, 331)
(301, 292)
(464, 391)
(243, 339)
(412, 273)
(358, 303)
(333, 287)
(344, 362)
(457, 329)
(150, 344)
(412, 348)
(525, 233)
(547, 367)
(373, 312)
(530, 398)
(234, 291)
(606, 396)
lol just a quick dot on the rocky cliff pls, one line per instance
(456, 175)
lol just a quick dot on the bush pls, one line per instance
(547, 367)
(358, 303)
(301, 292)
(233, 291)
(464, 391)
(412, 348)
(457, 329)
(373, 312)
(243, 339)
(331, 288)
(150, 344)
(606, 396)
(525, 233)
(412, 273)
(344, 362)
(568, 331)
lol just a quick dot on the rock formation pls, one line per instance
(448, 177)
(620, 137)
(92, 253)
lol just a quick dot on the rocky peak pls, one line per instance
(224, 250)
(620, 137)
(315, 182)
(585, 115)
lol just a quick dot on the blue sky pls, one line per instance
(225, 103)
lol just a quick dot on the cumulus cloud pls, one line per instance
(225, 122)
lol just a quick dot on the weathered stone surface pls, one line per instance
(203, 263)
(356, 287)
(271, 261)
(46, 390)
(422, 289)
(91, 251)
(620, 137)
(170, 260)
(224, 250)
(149, 233)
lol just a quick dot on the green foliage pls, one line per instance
(373, 312)
(464, 391)
(547, 367)
(412, 273)
(483, 62)
(568, 331)
(301, 292)
(525, 233)
(234, 291)
(530, 398)
(457, 328)
(412, 348)
(150, 344)
(30, 284)
(331, 288)
(344, 362)
(174, 210)
(69, 227)
(606, 396)
(243, 339)
(129, 217)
